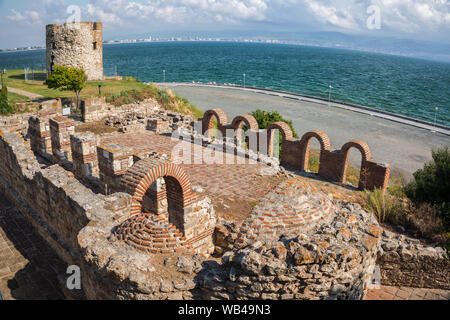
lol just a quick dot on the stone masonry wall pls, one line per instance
(405, 262)
(56, 204)
(76, 45)
(60, 130)
(84, 155)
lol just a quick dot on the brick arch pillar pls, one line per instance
(286, 134)
(207, 121)
(325, 145)
(252, 128)
(139, 178)
(366, 156)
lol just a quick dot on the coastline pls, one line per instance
(404, 144)
(343, 105)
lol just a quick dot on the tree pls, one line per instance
(5, 107)
(67, 79)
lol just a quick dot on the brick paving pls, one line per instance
(406, 293)
(28, 266)
(230, 186)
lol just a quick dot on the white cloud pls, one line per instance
(330, 14)
(181, 11)
(417, 18)
(28, 17)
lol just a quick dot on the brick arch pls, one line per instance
(286, 134)
(365, 156)
(246, 119)
(238, 125)
(361, 146)
(138, 179)
(207, 122)
(323, 139)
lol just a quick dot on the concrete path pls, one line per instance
(25, 93)
(406, 146)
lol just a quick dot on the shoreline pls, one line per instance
(404, 144)
(343, 105)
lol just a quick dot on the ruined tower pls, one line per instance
(76, 45)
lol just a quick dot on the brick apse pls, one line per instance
(180, 223)
(295, 153)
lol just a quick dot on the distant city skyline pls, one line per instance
(390, 26)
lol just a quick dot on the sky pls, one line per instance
(22, 22)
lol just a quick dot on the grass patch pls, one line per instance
(16, 79)
(385, 207)
(118, 92)
(97, 128)
(14, 98)
(314, 161)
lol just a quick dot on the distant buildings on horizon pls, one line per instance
(321, 43)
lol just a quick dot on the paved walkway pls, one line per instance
(405, 147)
(406, 293)
(25, 93)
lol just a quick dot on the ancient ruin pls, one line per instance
(78, 45)
(142, 225)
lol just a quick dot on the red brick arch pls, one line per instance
(248, 120)
(138, 179)
(207, 121)
(286, 134)
(323, 139)
(361, 146)
(365, 155)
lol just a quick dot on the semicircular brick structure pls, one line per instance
(284, 128)
(138, 179)
(150, 233)
(285, 131)
(190, 220)
(292, 208)
(305, 142)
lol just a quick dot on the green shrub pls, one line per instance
(5, 107)
(264, 118)
(432, 184)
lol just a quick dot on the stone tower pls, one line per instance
(78, 47)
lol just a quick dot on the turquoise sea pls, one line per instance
(402, 85)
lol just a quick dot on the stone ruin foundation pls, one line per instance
(138, 229)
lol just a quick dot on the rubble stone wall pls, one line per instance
(405, 262)
(51, 199)
(77, 45)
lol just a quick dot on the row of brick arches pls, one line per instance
(295, 153)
